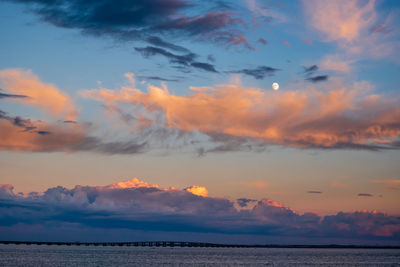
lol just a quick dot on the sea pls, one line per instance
(44, 255)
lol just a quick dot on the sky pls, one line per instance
(152, 119)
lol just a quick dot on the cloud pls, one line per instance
(336, 117)
(244, 202)
(314, 192)
(157, 78)
(258, 73)
(36, 93)
(262, 41)
(365, 195)
(308, 71)
(19, 134)
(356, 27)
(380, 28)
(3, 95)
(140, 19)
(157, 41)
(232, 39)
(197, 190)
(138, 205)
(204, 66)
(390, 184)
(340, 20)
(265, 12)
(311, 69)
(183, 60)
(319, 78)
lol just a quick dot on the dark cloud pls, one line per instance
(365, 195)
(319, 78)
(43, 132)
(186, 60)
(3, 95)
(227, 143)
(17, 121)
(140, 19)
(314, 192)
(95, 144)
(204, 66)
(157, 78)
(173, 58)
(157, 41)
(262, 41)
(311, 69)
(258, 73)
(147, 207)
(243, 202)
(380, 28)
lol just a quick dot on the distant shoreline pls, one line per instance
(188, 244)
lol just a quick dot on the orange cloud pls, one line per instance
(354, 26)
(39, 94)
(391, 184)
(340, 20)
(336, 117)
(40, 137)
(136, 183)
(133, 183)
(197, 190)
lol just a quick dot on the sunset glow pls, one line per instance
(251, 121)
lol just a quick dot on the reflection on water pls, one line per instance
(23, 255)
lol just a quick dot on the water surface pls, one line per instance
(34, 255)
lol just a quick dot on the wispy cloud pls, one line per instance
(310, 69)
(314, 192)
(356, 27)
(33, 91)
(365, 195)
(3, 95)
(258, 73)
(187, 60)
(156, 78)
(262, 41)
(319, 78)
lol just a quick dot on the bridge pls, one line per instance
(124, 244)
(184, 244)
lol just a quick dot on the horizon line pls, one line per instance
(191, 244)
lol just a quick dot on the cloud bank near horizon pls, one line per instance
(135, 205)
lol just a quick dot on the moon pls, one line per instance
(275, 86)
